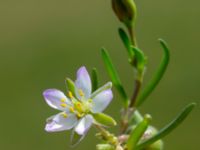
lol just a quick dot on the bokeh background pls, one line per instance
(43, 41)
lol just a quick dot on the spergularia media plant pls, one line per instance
(82, 106)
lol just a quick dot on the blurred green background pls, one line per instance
(43, 41)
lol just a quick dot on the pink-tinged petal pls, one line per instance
(61, 122)
(83, 82)
(84, 125)
(101, 101)
(56, 99)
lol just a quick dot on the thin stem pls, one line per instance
(128, 117)
(138, 85)
(138, 81)
(128, 113)
(103, 131)
(107, 136)
(132, 36)
(125, 115)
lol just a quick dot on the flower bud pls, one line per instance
(119, 147)
(125, 10)
(105, 147)
(158, 145)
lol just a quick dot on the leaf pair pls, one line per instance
(136, 134)
(138, 59)
(136, 56)
(135, 53)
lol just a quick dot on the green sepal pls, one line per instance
(95, 80)
(138, 132)
(157, 76)
(70, 85)
(168, 128)
(104, 119)
(114, 76)
(105, 147)
(127, 43)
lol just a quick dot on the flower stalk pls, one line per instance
(107, 136)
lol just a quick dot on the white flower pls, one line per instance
(77, 109)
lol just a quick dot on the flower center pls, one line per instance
(80, 107)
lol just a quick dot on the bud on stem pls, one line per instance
(125, 10)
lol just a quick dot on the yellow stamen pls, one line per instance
(78, 107)
(81, 92)
(70, 94)
(71, 109)
(78, 104)
(63, 100)
(90, 100)
(64, 115)
(79, 115)
(63, 105)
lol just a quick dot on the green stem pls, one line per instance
(138, 80)
(132, 36)
(138, 85)
(128, 117)
(107, 136)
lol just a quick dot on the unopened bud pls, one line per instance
(125, 10)
(158, 145)
(119, 147)
(105, 147)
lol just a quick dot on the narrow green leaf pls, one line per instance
(127, 43)
(95, 80)
(70, 85)
(157, 76)
(114, 76)
(168, 128)
(104, 119)
(137, 133)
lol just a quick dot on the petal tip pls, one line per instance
(82, 71)
(48, 128)
(47, 92)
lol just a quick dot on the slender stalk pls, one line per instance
(107, 136)
(132, 36)
(137, 82)
(128, 113)
(138, 85)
